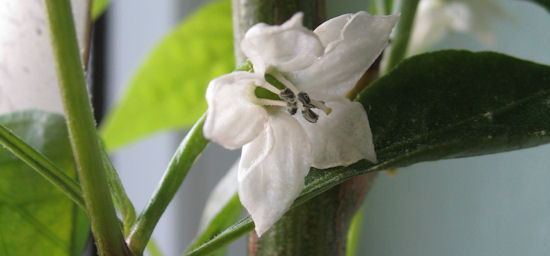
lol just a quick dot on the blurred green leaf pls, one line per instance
(543, 3)
(354, 232)
(36, 217)
(153, 249)
(167, 92)
(98, 7)
(439, 105)
(221, 210)
(222, 220)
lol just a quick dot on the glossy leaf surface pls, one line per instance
(36, 217)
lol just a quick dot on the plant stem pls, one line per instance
(189, 149)
(41, 164)
(317, 227)
(83, 136)
(400, 43)
(388, 6)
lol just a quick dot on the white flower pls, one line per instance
(436, 18)
(308, 122)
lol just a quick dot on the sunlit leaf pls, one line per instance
(440, 105)
(36, 217)
(167, 92)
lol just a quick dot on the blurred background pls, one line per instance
(493, 205)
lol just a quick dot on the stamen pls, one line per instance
(287, 95)
(290, 96)
(309, 115)
(321, 105)
(268, 102)
(287, 83)
(292, 108)
(311, 103)
(305, 100)
(270, 88)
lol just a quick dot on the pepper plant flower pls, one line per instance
(291, 114)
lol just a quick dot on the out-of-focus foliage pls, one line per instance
(544, 3)
(98, 7)
(354, 233)
(222, 220)
(36, 218)
(167, 92)
(440, 105)
(221, 210)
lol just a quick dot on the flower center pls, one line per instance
(291, 98)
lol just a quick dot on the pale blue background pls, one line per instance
(492, 205)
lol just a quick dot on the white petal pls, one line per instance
(331, 30)
(233, 119)
(341, 138)
(287, 47)
(360, 42)
(272, 170)
(219, 197)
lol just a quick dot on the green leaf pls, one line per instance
(36, 217)
(354, 232)
(121, 200)
(221, 210)
(98, 7)
(543, 3)
(42, 165)
(222, 220)
(440, 105)
(167, 92)
(153, 249)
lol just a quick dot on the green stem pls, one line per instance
(400, 43)
(41, 164)
(388, 6)
(189, 149)
(83, 136)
